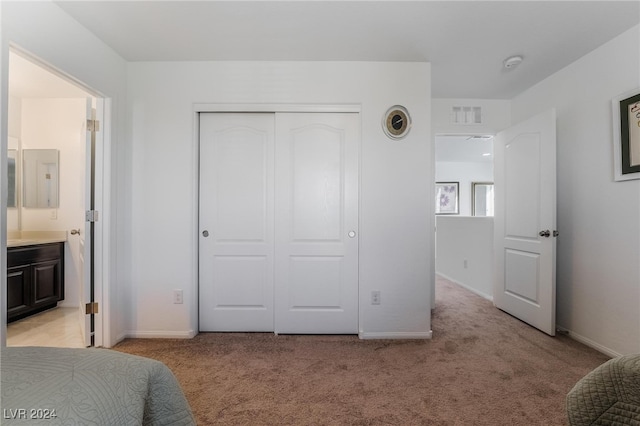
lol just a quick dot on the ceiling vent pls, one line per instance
(466, 115)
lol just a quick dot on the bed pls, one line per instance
(608, 395)
(88, 386)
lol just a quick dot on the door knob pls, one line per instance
(546, 233)
(75, 232)
(352, 234)
(205, 233)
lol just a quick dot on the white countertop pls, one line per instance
(30, 238)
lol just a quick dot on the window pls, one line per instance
(482, 197)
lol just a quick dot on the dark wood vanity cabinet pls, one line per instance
(35, 279)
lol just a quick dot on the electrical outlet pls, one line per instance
(177, 297)
(375, 297)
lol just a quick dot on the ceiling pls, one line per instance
(466, 42)
(464, 149)
(28, 80)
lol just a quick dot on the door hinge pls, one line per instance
(91, 308)
(91, 216)
(93, 125)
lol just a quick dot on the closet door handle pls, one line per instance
(352, 234)
(205, 233)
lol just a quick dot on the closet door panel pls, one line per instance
(236, 242)
(317, 183)
(316, 257)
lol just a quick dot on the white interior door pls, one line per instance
(236, 222)
(525, 221)
(87, 233)
(316, 288)
(83, 320)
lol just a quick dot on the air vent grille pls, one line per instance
(466, 115)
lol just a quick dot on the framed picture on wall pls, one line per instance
(626, 135)
(447, 197)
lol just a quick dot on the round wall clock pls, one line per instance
(396, 122)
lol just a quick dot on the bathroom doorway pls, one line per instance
(50, 111)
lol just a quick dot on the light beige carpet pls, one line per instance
(482, 367)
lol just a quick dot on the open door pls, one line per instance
(525, 221)
(88, 305)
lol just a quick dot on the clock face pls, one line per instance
(397, 122)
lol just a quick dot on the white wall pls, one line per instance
(496, 116)
(470, 239)
(464, 173)
(395, 201)
(59, 124)
(14, 130)
(45, 31)
(598, 261)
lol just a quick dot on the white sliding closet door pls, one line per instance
(279, 222)
(236, 222)
(316, 289)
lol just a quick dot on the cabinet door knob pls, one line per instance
(75, 232)
(205, 233)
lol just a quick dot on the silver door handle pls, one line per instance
(352, 234)
(205, 233)
(546, 233)
(75, 232)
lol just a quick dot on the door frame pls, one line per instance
(432, 219)
(494, 133)
(195, 161)
(102, 263)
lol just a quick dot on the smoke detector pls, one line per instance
(512, 62)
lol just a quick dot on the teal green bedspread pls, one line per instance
(56, 386)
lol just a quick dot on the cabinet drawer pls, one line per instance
(17, 256)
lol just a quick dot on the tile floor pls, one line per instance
(57, 327)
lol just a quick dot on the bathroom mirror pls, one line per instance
(12, 179)
(40, 178)
(482, 193)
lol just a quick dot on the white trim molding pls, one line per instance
(226, 107)
(468, 287)
(395, 335)
(588, 342)
(159, 334)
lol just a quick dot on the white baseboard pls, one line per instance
(471, 289)
(138, 334)
(120, 337)
(588, 342)
(396, 335)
